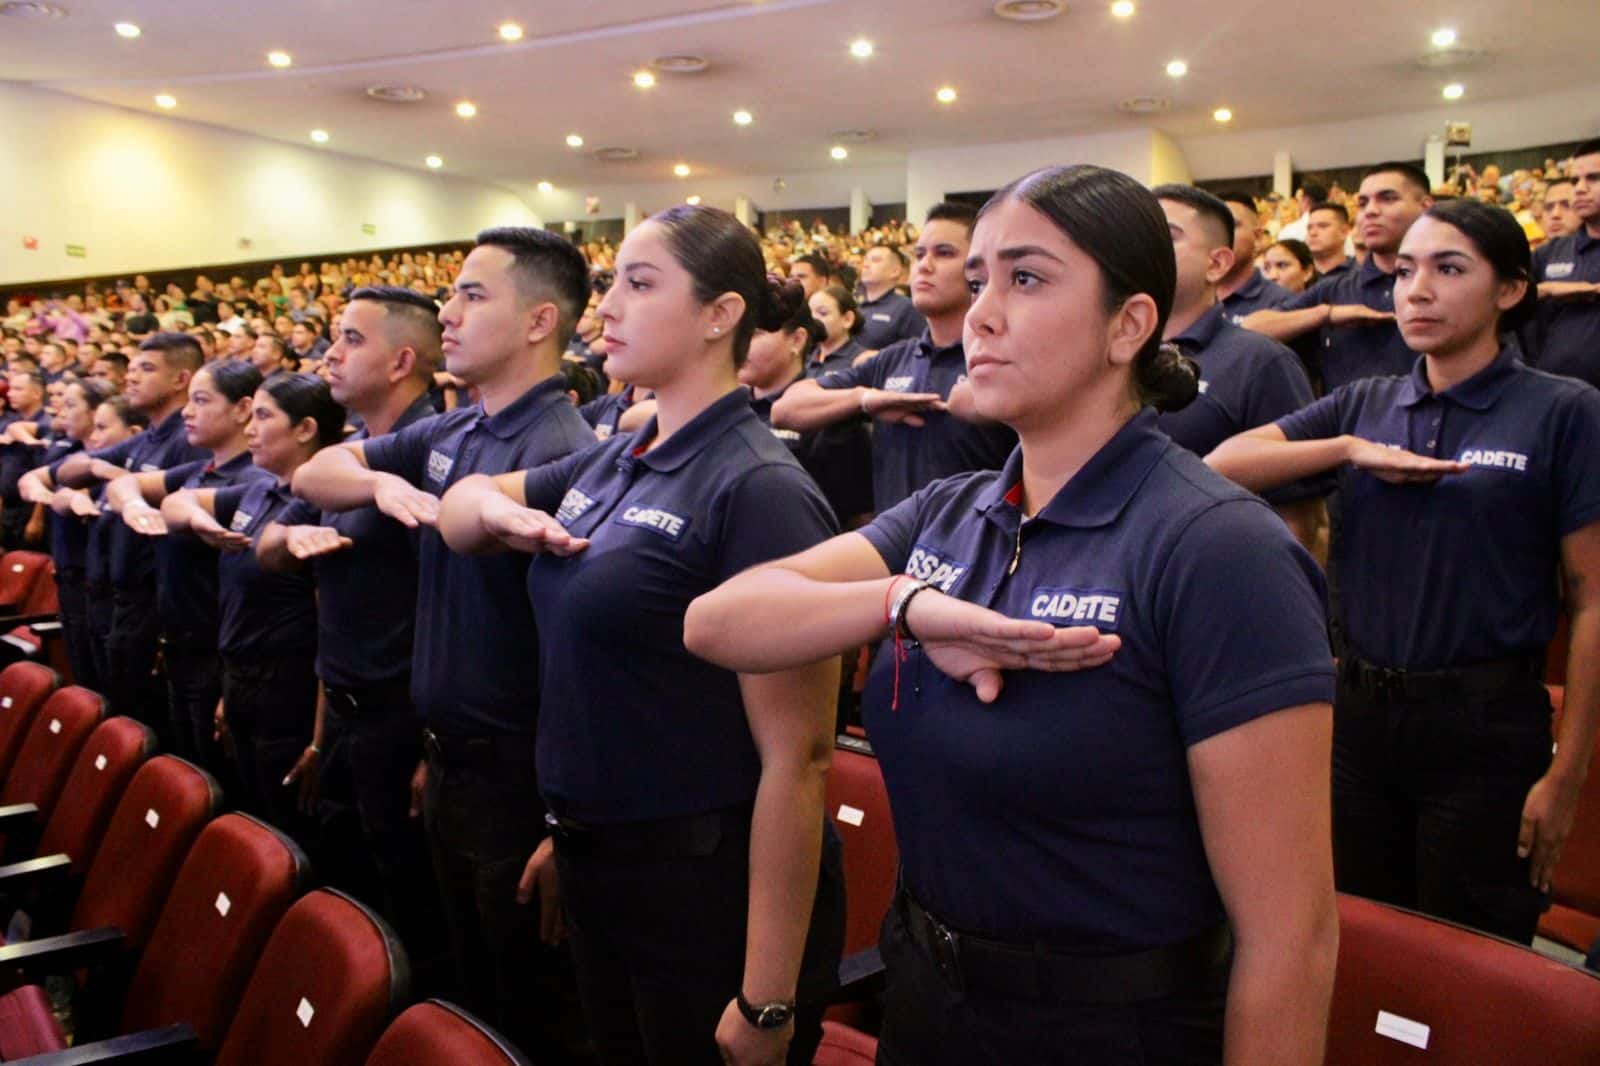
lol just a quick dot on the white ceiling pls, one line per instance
(1273, 62)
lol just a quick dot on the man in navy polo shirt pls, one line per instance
(1244, 288)
(1355, 308)
(380, 367)
(27, 420)
(475, 679)
(886, 315)
(1246, 380)
(1328, 237)
(158, 387)
(914, 389)
(1567, 270)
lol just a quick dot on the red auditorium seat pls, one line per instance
(45, 759)
(1574, 915)
(437, 1033)
(859, 807)
(235, 885)
(328, 982)
(1408, 984)
(19, 572)
(843, 1046)
(23, 689)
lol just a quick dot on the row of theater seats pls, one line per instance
(187, 934)
(1409, 988)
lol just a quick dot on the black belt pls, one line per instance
(666, 838)
(364, 700)
(1473, 682)
(480, 750)
(990, 969)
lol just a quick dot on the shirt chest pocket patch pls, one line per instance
(574, 505)
(661, 522)
(1557, 271)
(241, 521)
(936, 567)
(439, 465)
(1071, 606)
(898, 384)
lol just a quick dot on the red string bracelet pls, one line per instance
(898, 650)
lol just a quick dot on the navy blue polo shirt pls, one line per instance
(264, 615)
(1462, 570)
(1257, 294)
(632, 727)
(1063, 813)
(474, 670)
(905, 458)
(1350, 353)
(839, 359)
(889, 318)
(161, 447)
(603, 412)
(838, 457)
(186, 567)
(1349, 261)
(1246, 380)
(18, 459)
(69, 536)
(365, 626)
(1568, 331)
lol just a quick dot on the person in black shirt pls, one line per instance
(23, 426)
(139, 322)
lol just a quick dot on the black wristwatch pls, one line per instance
(773, 1015)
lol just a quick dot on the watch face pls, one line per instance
(773, 1015)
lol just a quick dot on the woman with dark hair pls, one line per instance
(836, 311)
(268, 621)
(1288, 263)
(215, 419)
(698, 877)
(1469, 487)
(1102, 657)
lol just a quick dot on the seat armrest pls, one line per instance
(171, 1045)
(17, 814)
(54, 955)
(34, 875)
(34, 620)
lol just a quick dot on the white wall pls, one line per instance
(1571, 114)
(143, 192)
(1147, 155)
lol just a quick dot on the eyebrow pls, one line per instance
(1448, 253)
(1021, 251)
(462, 286)
(631, 267)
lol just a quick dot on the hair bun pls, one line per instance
(1170, 381)
(781, 303)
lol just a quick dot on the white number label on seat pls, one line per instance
(1403, 1029)
(304, 1012)
(851, 815)
(151, 818)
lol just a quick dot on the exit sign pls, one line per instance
(368, 228)
(77, 251)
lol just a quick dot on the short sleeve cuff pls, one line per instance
(1265, 697)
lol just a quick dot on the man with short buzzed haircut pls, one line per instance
(1566, 333)
(1328, 235)
(380, 367)
(812, 271)
(886, 315)
(1556, 216)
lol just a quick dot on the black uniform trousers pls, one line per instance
(484, 818)
(935, 1018)
(73, 596)
(372, 742)
(194, 684)
(101, 608)
(1427, 801)
(659, 937)
(270, 704)
(131, 650)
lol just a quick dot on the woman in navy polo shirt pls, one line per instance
(1104, 717)
(1468, 487)
(698, 879)
(836, 312)
(268, 631)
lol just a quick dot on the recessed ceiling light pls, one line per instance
(391, 93)
(1122, 9)
(279, 59)
(434, 162)
(574, 141)
(945, 95)
(1029, 10)
(545, 186)
(693, 201)
(128, 30)
(743, 118)
(166, 100)
(510, 31)
(320, 136)
(466, 109)
(643, 79)
(680, 63)
(861, 48)
(1177, 68)
(1222, 114)
(1454, 91)
(1444, 38)
(839, 151)
(682, 170)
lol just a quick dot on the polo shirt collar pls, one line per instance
(1101, 490)
(926, 349)
(1199, 334)
(232, 466)
(1479, 392)
(1582, 242)
(173, 423)
(515, 418)
(1250, 289)
(693, 438)
(1372, 274)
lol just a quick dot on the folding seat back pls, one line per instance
(1574, 915)
(437, 1033)
(329, 980)
(1409, 984)
(105, 764)
(843, 1046)
(43, 598)
(859, 806)
(58, 733)
(23, 689)
(234, 887)
(155, 823)
(19, 572)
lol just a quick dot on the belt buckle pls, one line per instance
(946, 951)
(561, 829)
(431, 745)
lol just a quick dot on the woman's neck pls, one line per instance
(1065, 440)
(286, 475)
(1449, 369)
(679, 401)
(778, 382)
(828, 347)
(228, 452)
